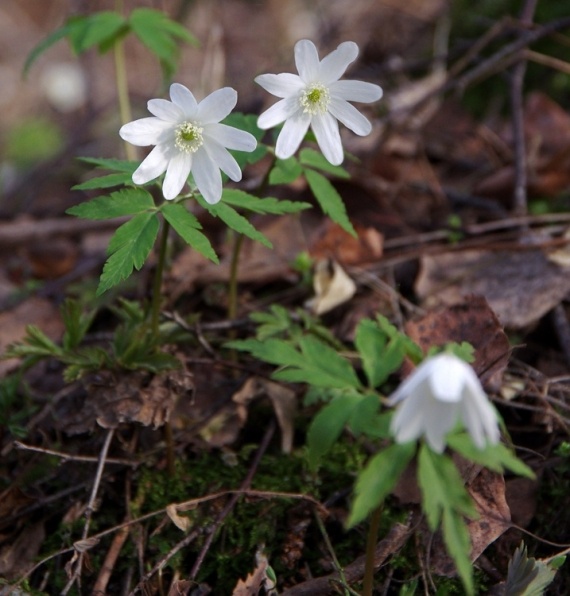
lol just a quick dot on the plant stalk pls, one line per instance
(371, 539)
(157, 283)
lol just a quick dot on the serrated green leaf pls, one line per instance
(370, 342)
(328, 424)
(235, 221)
(367, 419)
(409, 347)
(378, 478)
(271, 323)
(129, 248)
(115, 165)
(328, 198)
(247, 122)
(458, 545)
(495, 457)
(239, 198)
(188, 227)
(44, 45)
(99, 29)
(128, 201)
(35, 344)
(285, 171)
(107, 181)
(315, 159)
(76, 323)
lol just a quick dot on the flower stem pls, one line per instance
(157, 284)
(122, 85)
(368, 583)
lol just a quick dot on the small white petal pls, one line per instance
(412, 383)
(326, 130)
(165, 110)
(223, 159)
(184, 99)
(356, 91)
(177, 173)
(307, 60)
(230, 137)
(146, 131)
(350, 117)
(281, 85)
(207, 177)
(152, 166)
(448, 377)
(333, 66)
(291, 135)
(216, 106)
(279, 112)
(407, 423)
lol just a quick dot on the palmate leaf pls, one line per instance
(378, 478)
(328, 198)
(115, 165)
(128, 201)
(107, 181)
(315, 159)
(45, 44)
(247, 122)
(188, 227)
(285, 171)
(235, 221)
(99, 29)
(128, 249)
(239, 198)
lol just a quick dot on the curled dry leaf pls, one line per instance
(332, 285)
(181, 522)
(338, 244)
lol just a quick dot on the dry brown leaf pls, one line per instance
(472, 321)
(255, 580)
(182, 587)
(19, 554)
(181, 522)
(332, 286)
(335, 243)
(520, 286)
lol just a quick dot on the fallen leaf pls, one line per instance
(19, 554)
(335, 243)
(181, 522)
(332, 286)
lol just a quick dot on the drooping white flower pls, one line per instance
(316, 98)
(188, 137)
(438, 393)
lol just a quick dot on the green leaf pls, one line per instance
(129, 201)
(188, 227)
(285, 171)
(35, 343)
(99, 29)
(366, 418)
(495, 457)
(274, 322)
(315, 159)
(370, 342)
(247, 122)
(235, 221)
(45, 44)
(409, 347)
(107, 181)
(129, 248)
(378, 478)
(76, 323)
(328, 198)
(115, 165)
(458, 544)
(239, 198)
(328, 424)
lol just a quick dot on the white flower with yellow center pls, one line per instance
(188, 137)
(316, 98)
(440, 392)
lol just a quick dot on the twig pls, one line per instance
(76, 575)
(100, 587)
(69, 457)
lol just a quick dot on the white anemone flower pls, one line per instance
(438, 393)
(189, 137)
(316, 98)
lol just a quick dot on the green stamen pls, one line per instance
(315, 99)
(189, 137)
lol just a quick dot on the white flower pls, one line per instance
(441, 391)
(189, 138)
(317, 98)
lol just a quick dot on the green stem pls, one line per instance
(157, 284)
(122, 86)
(371, 539)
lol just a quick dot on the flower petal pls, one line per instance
(326, 130)
(307, 60)
(439, 419)
(216, 106)
(292, 134)
(350, 117)
(448, 377)
(281, 85)
(223, 159)
(230, 137)
(184, 99)
(176, 174)
(332, 67)
(152, 166)
(207, 177)
(279, 112)
(355, 91)
(413, 383)
(407, 423)
(165, 110)
(146, 131)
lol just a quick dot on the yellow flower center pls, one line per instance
(315, 99)
(188, 137)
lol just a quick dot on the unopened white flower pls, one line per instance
(440, 392)
(316, 98)
(189, 138)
